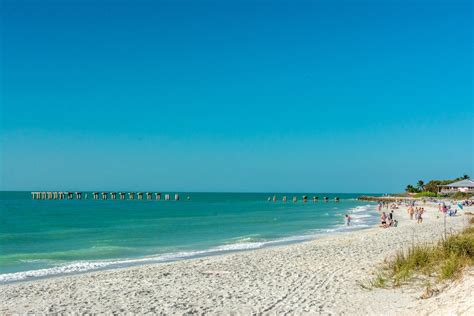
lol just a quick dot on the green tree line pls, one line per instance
(432, 185)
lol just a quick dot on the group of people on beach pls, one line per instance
(387, 206)
(417, 212)
(447, 210)
(387, 220)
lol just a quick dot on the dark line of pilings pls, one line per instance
(60, 195)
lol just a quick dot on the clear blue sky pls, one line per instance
(327, 96)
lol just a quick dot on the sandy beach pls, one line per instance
(322, 276)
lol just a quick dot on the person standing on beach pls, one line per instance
(444, 209)
(411, 211)
(419, 218)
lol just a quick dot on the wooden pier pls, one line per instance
(305, 199)
(156, 196)
(61, 195)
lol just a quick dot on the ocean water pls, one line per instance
(41, 238)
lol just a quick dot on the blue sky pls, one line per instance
(313, 96)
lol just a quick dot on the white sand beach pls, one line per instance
(322, 276)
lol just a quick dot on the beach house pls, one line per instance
(466, 185)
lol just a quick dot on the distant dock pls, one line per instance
(59, 195)
(305, 199)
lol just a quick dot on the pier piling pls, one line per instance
(60, 195)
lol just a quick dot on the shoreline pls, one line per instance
(219, 250)
(317, 276)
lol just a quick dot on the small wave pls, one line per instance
(248, 242)
(70, 268)
(239, 246)
(361, 216)
(247, 238)
(343, 228)
(361, 208)
(34, 260)
(85, 266)
(259, 243)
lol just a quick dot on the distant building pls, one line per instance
(466, 186)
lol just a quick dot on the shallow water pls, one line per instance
(49, 237)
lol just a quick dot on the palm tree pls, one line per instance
(465, 177)
(410, 189)
(420, 185)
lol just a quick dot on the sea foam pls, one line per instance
(363, 216)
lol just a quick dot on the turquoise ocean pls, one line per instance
(42, 238)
